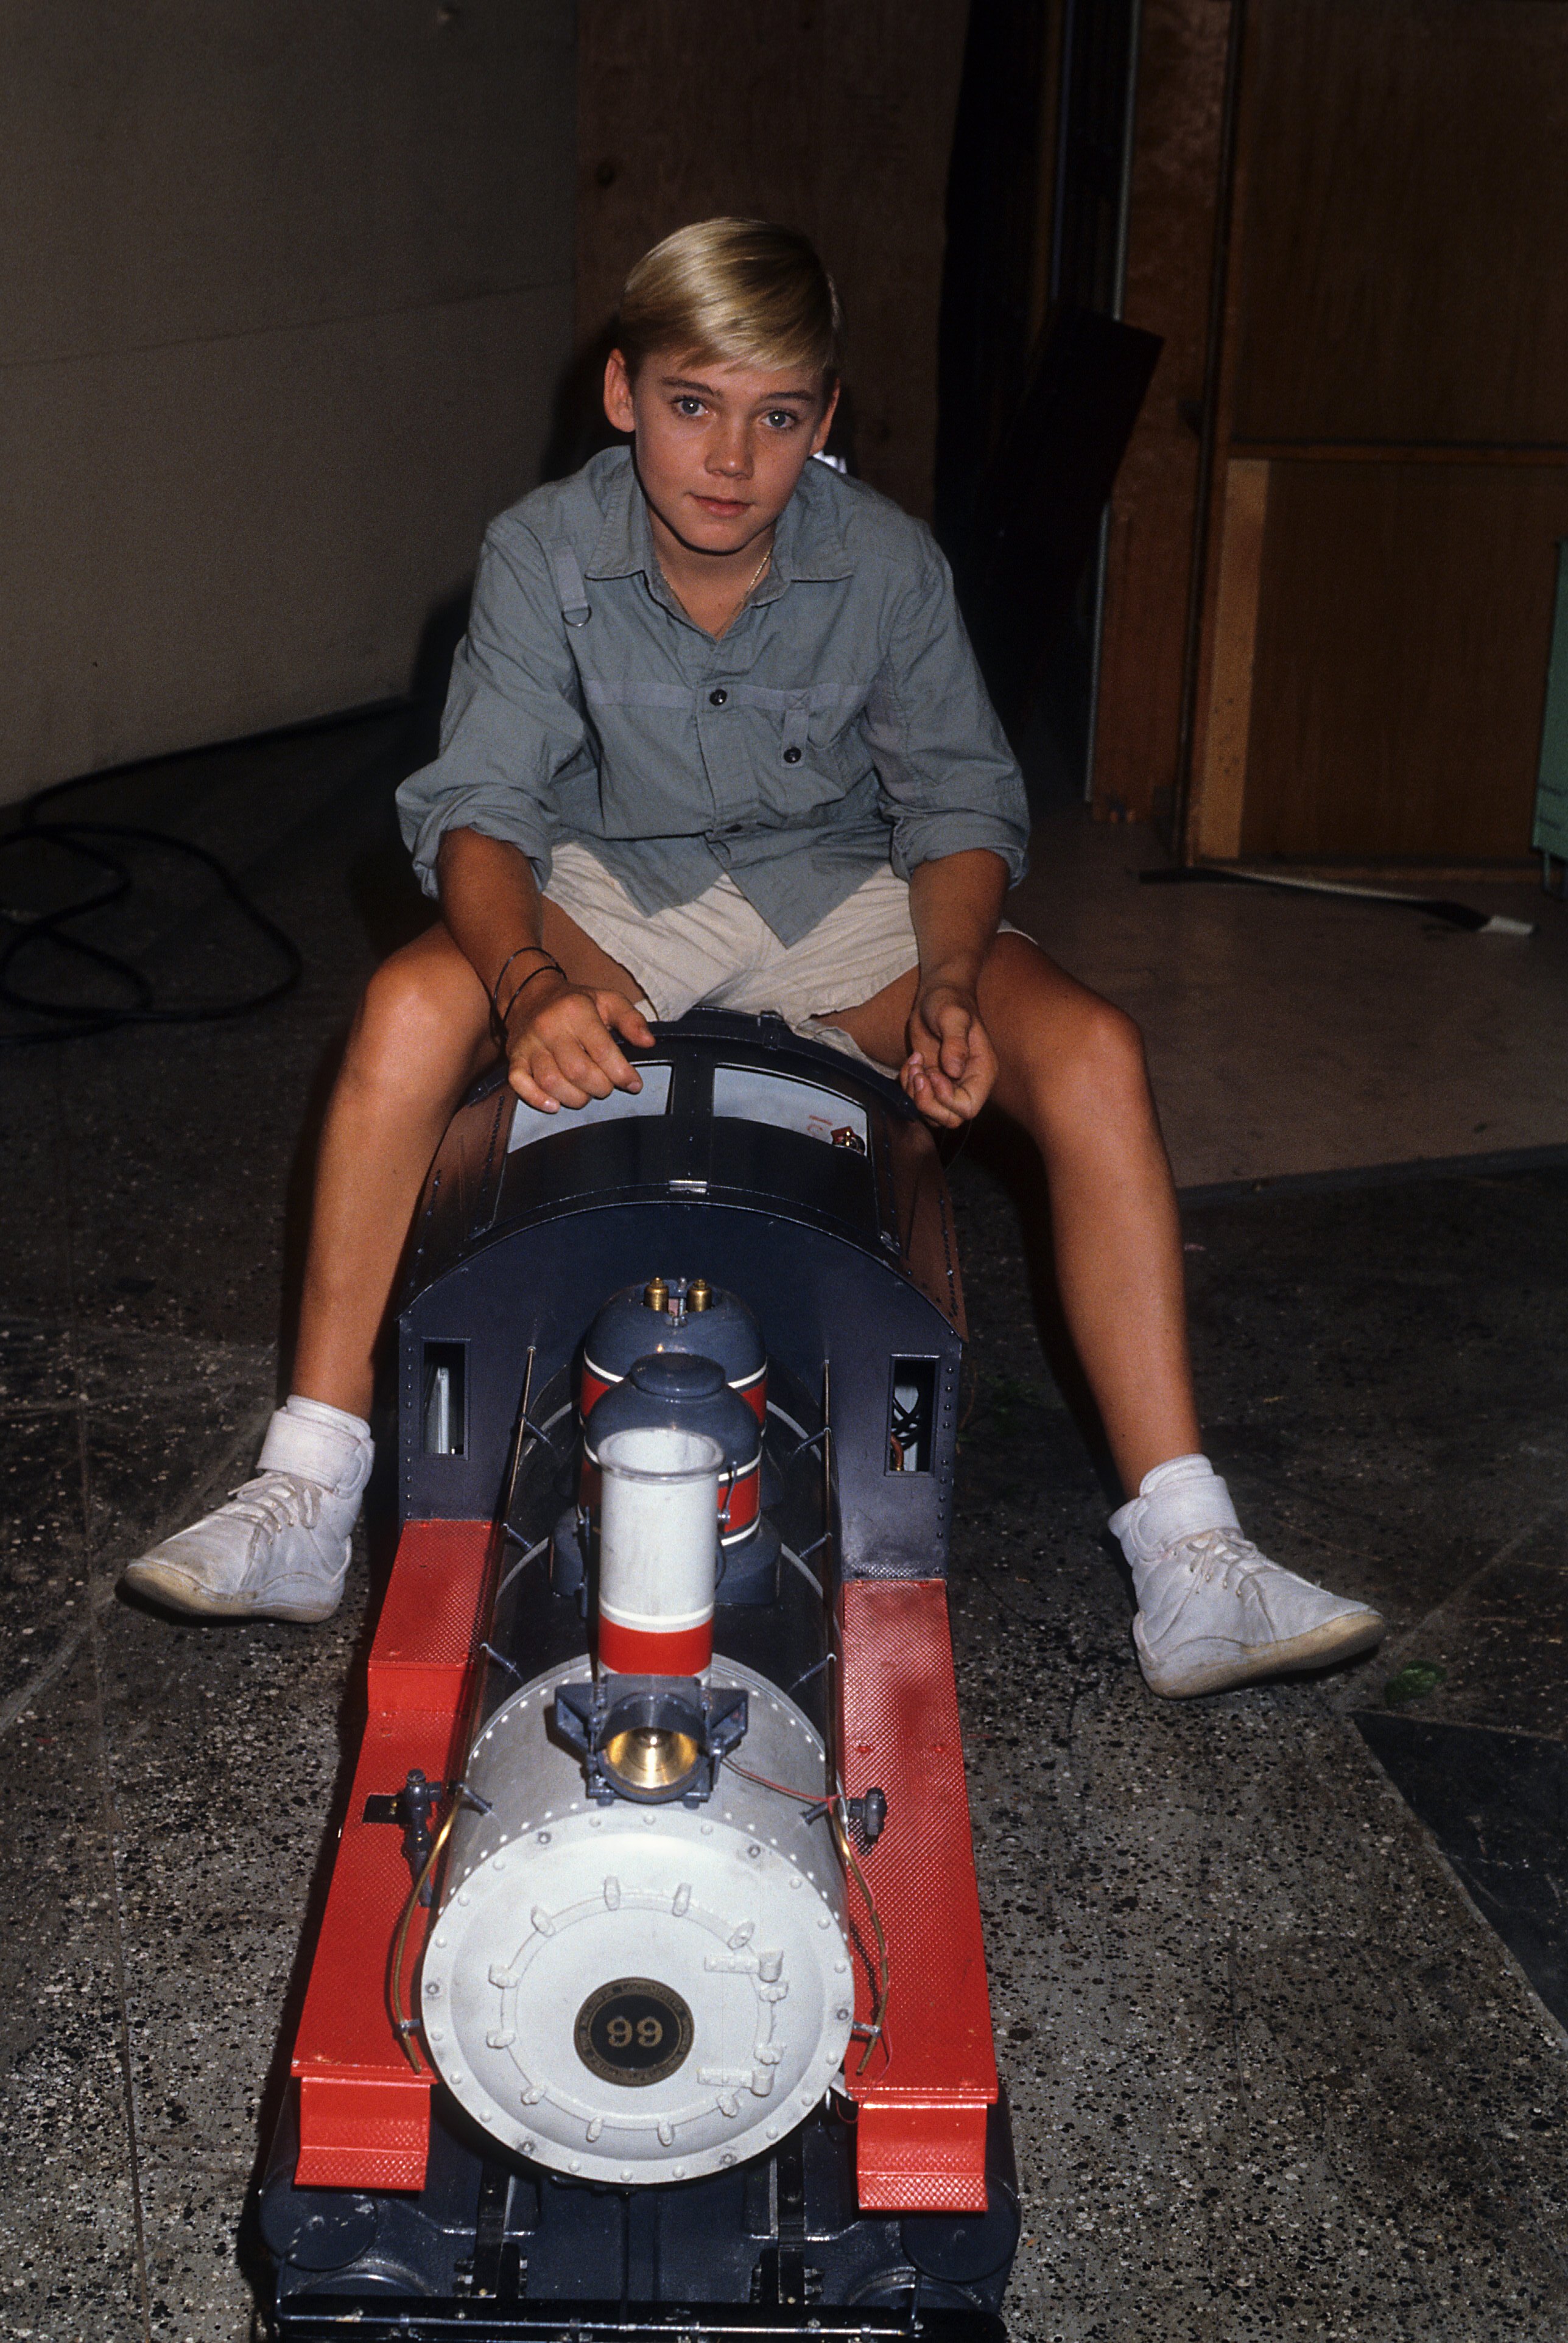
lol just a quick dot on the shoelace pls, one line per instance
(1222, 1554)
(279, 1500)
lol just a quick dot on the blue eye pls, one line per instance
(688, 405)
(783, 419)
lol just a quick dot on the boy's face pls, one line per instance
(719, 448)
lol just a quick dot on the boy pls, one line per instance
(716, 735)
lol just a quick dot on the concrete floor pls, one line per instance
(1273, 2073)
(1290, 1035)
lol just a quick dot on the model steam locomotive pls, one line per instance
(650, 1995)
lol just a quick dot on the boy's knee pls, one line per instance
(410, 1013)
(1113, 1044)
(1096, 1063)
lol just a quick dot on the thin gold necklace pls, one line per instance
(752, 583)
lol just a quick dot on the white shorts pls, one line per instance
(718, 952)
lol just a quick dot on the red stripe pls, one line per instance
(634, 1652)
(595, 1386)
(756, 1396)
(742, 1501)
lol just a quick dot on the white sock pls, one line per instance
(319, 1442)
(318, 1411)
(1178, 1499)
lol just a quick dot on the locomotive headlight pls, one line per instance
(649, 1738)
(651, 1757)
(650, 1988)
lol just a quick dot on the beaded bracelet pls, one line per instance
(498, 1026)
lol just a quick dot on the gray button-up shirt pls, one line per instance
(840, 721)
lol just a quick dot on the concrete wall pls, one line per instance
(286, 290)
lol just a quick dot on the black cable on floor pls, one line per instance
(71, 1021)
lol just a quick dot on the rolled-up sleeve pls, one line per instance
(512, 729)
(949, 781)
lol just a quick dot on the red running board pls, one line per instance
(921, 2101)
(364, 2113)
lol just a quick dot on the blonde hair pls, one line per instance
(736, 292)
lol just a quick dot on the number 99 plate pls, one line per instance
(633, 2030)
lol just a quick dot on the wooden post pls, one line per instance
(1228, 718)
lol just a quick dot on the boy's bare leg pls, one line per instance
(279, 1548)
(1070, 1070)
(1212, 1612)
(420, 1036)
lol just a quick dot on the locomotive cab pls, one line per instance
(650, 1994)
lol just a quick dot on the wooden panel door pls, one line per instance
(1405, 615)
(1405, 224)
(1177, 207)
(1397, 362)
(1376, 472)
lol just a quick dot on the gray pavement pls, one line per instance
(1272, 2072)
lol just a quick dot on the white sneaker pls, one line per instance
(1213, 1612)
(279, 1548)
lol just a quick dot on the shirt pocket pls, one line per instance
(807, 752)
(650, 777)
(837, 710)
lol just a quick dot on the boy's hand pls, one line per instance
(562, 1051)
(951, 1065)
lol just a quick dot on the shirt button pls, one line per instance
(791, 756)
(717, 699)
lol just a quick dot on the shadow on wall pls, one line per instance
(385, 893)
(580, 427)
